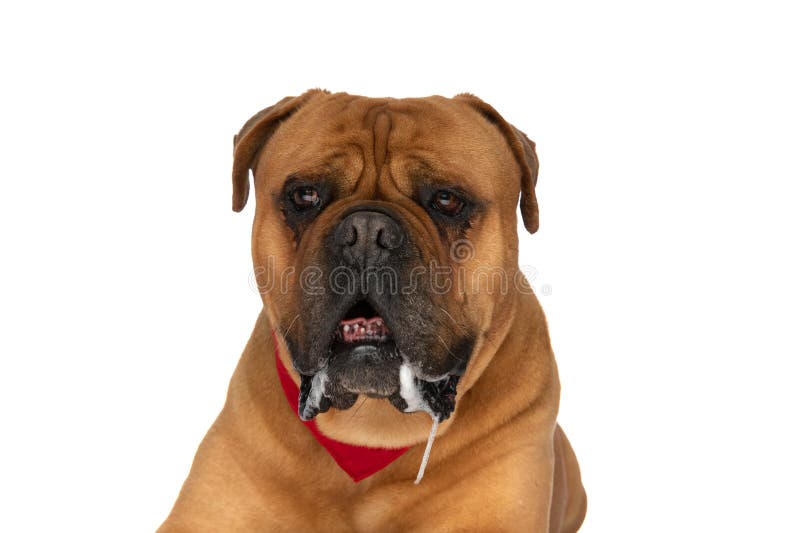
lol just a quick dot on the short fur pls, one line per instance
(500, 462)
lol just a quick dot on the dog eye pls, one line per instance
(447, 203)
(305, 198)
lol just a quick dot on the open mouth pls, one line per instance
(364, 359)
(361, 325)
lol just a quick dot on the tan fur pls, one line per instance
(500, 463)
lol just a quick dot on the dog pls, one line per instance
(397, 327)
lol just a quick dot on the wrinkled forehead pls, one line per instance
(355, 138)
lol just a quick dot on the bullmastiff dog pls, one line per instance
(400, 376)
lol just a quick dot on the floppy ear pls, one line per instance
(524, 151)
(254, 135)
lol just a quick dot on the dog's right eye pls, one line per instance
(305, 198)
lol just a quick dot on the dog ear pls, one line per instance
(524, 151)
(254, 135)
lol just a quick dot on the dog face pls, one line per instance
(384, 239)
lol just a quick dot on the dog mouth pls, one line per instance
(361, 325)
(364, 359)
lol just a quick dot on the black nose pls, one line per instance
(368, 237)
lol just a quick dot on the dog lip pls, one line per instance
(375, 321)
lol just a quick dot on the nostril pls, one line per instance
(346, 234)
(389, 238)
(350, 236)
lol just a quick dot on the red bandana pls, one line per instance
(358, 461)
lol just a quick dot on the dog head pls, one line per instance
(384, 239)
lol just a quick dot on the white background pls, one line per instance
(668, 136)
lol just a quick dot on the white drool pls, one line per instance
(317, 390)
(415, 402)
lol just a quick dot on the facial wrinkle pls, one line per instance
(380, 134)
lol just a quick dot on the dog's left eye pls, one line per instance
(447, 203)
(305, 198)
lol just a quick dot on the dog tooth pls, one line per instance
(346, 328)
